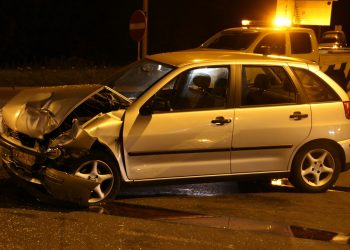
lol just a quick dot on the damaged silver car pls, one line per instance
(181, 115)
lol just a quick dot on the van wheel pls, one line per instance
(315, 168)
(100, 167)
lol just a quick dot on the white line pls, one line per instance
(137, 26)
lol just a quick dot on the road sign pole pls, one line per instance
(145, 38)
(138, 51)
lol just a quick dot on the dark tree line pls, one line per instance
(44, 32)
(82, 32)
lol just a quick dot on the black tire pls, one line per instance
(315, 168)
(99, 166)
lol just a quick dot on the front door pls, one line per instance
(189, 132)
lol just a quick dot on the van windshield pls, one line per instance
(232, 40)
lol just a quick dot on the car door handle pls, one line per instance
(220, 120)
(297, 115)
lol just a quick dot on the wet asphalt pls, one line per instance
(198, 216)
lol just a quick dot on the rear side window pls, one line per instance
(266, 85)
(315, 88)
(300, 43)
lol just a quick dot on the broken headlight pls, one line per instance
(53, 153)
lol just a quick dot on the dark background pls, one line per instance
(85, 33)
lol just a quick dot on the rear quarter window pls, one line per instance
(316, 89)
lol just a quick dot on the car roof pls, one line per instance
(203, 55)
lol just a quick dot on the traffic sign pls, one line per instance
(138, 25)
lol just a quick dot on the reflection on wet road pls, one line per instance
(219, 222)
(206, 189)
(122, 208)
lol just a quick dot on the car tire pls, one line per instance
(101, 167)
(315, 168)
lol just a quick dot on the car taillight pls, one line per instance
(347, 109)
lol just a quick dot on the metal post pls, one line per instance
(138, 51)
(145, 37)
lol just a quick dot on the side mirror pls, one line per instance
(155, 104)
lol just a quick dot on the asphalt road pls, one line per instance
(198, 216)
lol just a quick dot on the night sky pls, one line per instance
(43, 32)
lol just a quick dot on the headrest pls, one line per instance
(262, 81)
(220, 86)
(202, 81)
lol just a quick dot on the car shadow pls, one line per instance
(14, 196)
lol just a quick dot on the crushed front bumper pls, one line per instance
(50, 183)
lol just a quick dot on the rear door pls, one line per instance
(270, 122)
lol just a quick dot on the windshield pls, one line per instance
(233, 40)
(137, 77)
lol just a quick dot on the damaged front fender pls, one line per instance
(104, 127)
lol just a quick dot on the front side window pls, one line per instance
(315, 88)
(266, 85)
(300, 43)
(272, 44)
(200, 88)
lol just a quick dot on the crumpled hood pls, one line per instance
(38, 111)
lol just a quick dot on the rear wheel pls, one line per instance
(315, 168)
(100, 167)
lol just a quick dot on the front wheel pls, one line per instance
(315, 168)
(100, 167)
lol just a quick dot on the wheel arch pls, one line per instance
(119, 161)
(334, 144)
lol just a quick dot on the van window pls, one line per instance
(300, 43)
(235, 40)
(273, 43)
